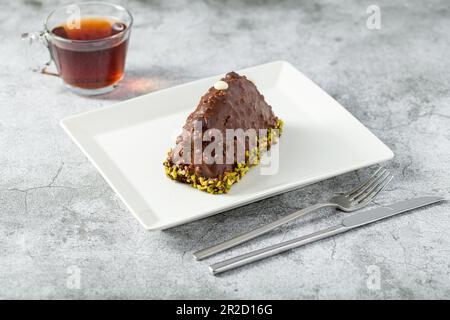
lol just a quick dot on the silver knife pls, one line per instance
(349, 223)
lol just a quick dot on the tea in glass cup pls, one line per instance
(88, 43)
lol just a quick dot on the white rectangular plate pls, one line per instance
(128, 142)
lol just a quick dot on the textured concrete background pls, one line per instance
(58, 216)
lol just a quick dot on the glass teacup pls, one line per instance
(88, 43)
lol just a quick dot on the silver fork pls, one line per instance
(351, 201)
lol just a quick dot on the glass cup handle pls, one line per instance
(37, 51)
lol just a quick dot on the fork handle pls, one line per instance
(207, 252)
(262, 253)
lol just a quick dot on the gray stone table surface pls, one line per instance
(59, 219)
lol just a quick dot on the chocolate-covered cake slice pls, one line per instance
(207, 155)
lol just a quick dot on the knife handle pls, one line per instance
(259, 254)
(256, 232)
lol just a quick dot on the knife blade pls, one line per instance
(376, 214)
(348, 223)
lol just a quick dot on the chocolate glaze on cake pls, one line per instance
(239, 106)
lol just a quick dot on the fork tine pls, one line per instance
(363, 193)
(370, 194)
(364, 184)
(369, 183)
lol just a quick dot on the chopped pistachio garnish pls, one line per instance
(223, 183)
